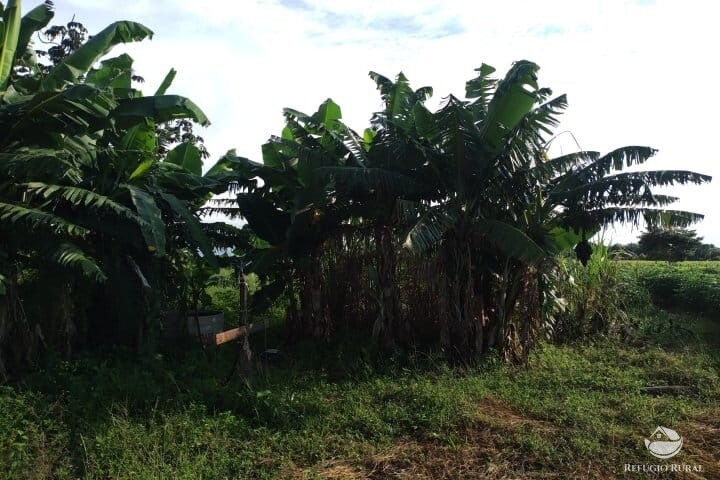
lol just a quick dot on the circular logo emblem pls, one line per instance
(664, 443)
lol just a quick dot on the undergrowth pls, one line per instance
(317, 409)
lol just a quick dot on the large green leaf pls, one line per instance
(187, 156)
(80, 198)
(140, 140)
(70, 256)
(152, 226)
(511, 102)
(80, 61)
(371, 180)
(459, 143)
(264, 218)
(480, 88)
(142, 170)
(35, 220)
(625, 188)
(41, 164)
(562, 240)
(167, 81)
(186, 185)
(429, 230)
(234, 170)
(399, 98)
(33, 21)
(113, 73)
(652, 217)
(510, 240)
(8, 47)
(191, 223)
(615, 161)
(161, 108)
(328, 115)
(45, 116)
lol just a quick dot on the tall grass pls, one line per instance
(598, 300)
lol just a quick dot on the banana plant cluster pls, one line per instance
(83, 191)
(469, 186)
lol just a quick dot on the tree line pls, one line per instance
(671, 245)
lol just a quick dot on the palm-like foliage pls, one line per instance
(81, 183)
(289, 202)
(504, 209)
(469, 185)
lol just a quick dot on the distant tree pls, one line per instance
(63, 40)
(671, 244)
(707, 251)
(629, 251)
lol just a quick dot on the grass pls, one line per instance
(571, 410)
(347, 410)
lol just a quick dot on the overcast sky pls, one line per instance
(636, 72)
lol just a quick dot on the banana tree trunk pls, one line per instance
(18, 342)
(530, 312)
(315, 310)
(293, 326)
(462, 326)
(518, 312)
(387, 326)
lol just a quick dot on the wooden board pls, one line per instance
(235, 333)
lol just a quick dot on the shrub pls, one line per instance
(598, 298)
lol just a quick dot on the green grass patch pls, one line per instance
(171, 418)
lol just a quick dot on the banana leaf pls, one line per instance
(115, 73)
(266, 221)
(161, 108)
(187, 156)
(152, 226)
(11, 22)
(33, 21)
(193, 226)
(509, 105)
(79, 62)
(167, 81)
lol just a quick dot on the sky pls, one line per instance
(636, 72)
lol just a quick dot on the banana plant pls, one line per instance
(381, 181)
(507, 209)
(289, 202)
(82, 184)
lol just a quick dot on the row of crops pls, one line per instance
(688, 286)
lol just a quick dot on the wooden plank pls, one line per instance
(235, 333)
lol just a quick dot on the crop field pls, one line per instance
(688, 286)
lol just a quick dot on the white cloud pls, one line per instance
(636, 72)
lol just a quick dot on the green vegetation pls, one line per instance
(98, 214)
(412, 231)
(412, 273)
(349, 408)
(570, 410)
(687, 286)
(672, 245)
